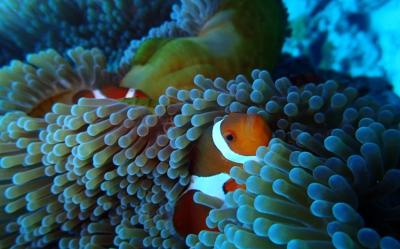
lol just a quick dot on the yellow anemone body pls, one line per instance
(242, 35)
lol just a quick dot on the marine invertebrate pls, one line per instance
(89, 174)
(330, 164)
(103, 172)
(30, 26)
(63, 187)
(47, 77)
(221, 46)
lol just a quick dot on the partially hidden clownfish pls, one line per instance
(111, 92)
(232, 140)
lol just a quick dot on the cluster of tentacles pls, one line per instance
(81, 172)
(92, 174)
(29, 26)
(116, 27)
(101, 173)
(329, 178)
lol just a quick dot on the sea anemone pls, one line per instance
(47, 77)
(208, 37)
(220, 44)
(103, 172)
(30, 26)
(98, 173)
(95, 173)
(327, 179)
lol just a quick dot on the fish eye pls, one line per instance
(229, 137)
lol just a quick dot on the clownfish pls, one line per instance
(190, 217)
(234, 139)
(110, 92)
(238, 136)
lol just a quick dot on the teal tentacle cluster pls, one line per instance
(288, 109)
(103, 173)
(115, 150)
(187, 19)
(194, 117)
(94, 174)
(23, 180)
(327, 180)
(24, 86)
(116, 27)
(30, 26)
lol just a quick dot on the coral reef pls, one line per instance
(300, 71)
(327, 31)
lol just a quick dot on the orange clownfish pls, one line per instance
(231, 185)
(190, 217)
(239, 135)
(234, 139)
(110, 92)
(72, 97)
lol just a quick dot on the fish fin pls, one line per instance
(231, 185)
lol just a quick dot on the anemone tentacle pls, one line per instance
(106, 173)
(328, 179)
(48, 77)
(30, 26)
(187, 18)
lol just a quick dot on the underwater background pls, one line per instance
(326, 31)
(120, 119)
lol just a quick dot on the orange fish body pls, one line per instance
(234, 139)
(205, 158)
(244, 133)
(190, 217)
(111, 92)
(72, 97)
